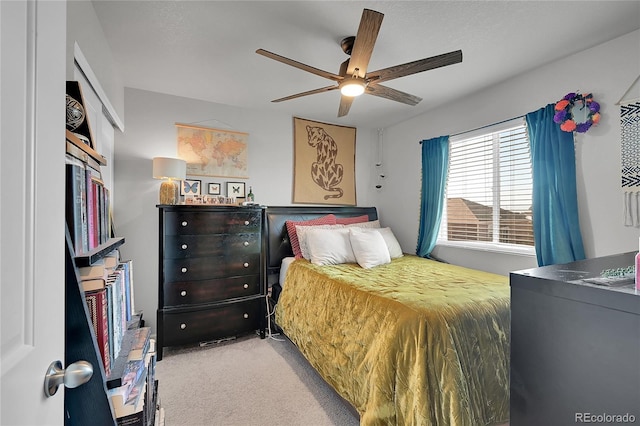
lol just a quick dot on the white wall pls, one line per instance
(84, 28)
(151, 132)
(607, 71)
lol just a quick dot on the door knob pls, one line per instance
(76, 374)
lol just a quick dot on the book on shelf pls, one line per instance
(75, 205)
(93, 284)
(133, 378)
(159, 420)
(97, 307)
(127, 266)
(94, 271)
(116, 326)
(151, 403)
(112, 260)
(124, 406)
(133, 400)
(93, 181)
(141, 344)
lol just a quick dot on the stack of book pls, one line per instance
(88, 210)
(108, 289)
(134, 400)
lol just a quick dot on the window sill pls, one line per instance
(490, 247)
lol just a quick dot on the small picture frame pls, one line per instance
(190, 187)
(236, 189)
(214, 189)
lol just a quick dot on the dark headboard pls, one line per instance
(277, 240)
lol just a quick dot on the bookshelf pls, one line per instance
(101, 325)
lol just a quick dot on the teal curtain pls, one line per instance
(435, 164)
(556, 227)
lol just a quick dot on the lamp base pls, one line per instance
(169, 192)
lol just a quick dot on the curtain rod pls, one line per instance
(484, 127)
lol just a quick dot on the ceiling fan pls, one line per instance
(353, 78)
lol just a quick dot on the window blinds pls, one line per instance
(489, 187)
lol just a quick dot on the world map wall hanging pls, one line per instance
(213, 152)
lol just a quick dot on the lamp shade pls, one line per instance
(169, 168)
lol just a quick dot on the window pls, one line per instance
(488, 200)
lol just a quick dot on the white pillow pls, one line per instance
(369, 224)
(329, 246)
(302, 230)
(395, 250)
(369, 248)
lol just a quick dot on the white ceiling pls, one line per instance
(206, 49)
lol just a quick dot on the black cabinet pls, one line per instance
(211, 279)
(575, 345)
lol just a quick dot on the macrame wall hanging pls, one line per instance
(630, 156)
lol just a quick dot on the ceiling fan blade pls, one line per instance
(299, 65)
(365, 40)
(415, 66)
(310, 92)
(392, 94)
(345, 105)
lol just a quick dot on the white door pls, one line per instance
(32, 92)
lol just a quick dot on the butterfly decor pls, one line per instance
(236, 189)
(190, 187)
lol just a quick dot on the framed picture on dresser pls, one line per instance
(213, 189)
(236, 189)
(190, 187)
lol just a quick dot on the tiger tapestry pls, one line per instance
(324, 163)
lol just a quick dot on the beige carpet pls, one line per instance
(248, 381)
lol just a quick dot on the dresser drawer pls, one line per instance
(186, 327)
(184, 246)
(208, 291)
(203, 268)
(199, 223)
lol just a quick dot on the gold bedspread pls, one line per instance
(415, 342)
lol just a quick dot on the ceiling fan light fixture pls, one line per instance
(352, 87)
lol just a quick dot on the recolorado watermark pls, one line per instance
(604, 418)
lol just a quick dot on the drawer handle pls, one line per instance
(246, 316)
(183, 293)
(245, 264)
(246, 243)
(246, 222)
(184, 223)
(184, 247)
(183, 326)
(183, 270)
(245, 285)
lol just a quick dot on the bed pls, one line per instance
(409, 342)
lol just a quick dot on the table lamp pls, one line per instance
(169, 169)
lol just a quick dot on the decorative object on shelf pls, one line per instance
(236, 189)
(75, 113)
(190, 187)
(576, 112)
(324, 163)
(213, 152)
(77, 119)
(170, 170)
(214, 189)
(250, 196)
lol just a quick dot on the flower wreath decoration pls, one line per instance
(564, 114)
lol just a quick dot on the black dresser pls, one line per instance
(211, 273)
(575, 345)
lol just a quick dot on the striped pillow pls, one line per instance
(350, 220)
(329, 219)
